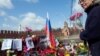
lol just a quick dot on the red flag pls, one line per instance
(78, 15)
(49, 34)
(72, 18)
(28, 29)
(75, 16)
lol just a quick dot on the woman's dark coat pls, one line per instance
(92, 26)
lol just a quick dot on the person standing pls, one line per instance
(91, 34)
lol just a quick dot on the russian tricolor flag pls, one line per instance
(49, 34)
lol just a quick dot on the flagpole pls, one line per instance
(71, 9)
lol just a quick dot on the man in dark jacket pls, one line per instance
(91, 34)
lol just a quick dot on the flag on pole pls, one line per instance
(49, 33)
(76, 16)
(28, 29)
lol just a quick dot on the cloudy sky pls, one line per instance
(32, 13)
